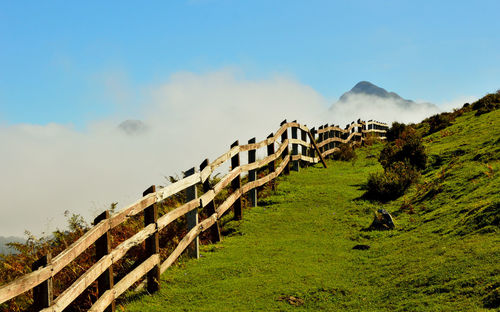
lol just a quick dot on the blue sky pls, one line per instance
(55, 56)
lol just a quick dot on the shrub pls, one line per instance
(401, 159)
(345, 153)
(487, 104)
(370, 139)
(408, 148)
(391, 183)
(422, 128)
(395, 131)
(439, 121)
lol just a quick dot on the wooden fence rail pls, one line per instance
(312, 152)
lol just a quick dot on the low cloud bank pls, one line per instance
(52, 168)
(382, 109)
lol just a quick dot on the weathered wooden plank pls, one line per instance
(330, 140)
(125, 283)
(270, 139)
(309, 159)
(224, 157)
(226, 180)
(209, 205)
(253, 146)
(207, 197)
(87, 278)
(251, 185)
(281, 130)
(325, 142)
(172, 215)
(205, 173)
(299, 142)
(79, 286)
(33, 279)
(335, 128)
(328, 152)
(131, 210)
(25, 283)
(186, 240)
(265, 160)
(178, 186)
(230, 200)
(282, 166)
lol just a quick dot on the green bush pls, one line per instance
(402, 160)
(395, 131)
(439, 121)
(345, 153)
(408, 148)
(487, 104)
(391, 183)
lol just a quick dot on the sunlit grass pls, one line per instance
(294, 251)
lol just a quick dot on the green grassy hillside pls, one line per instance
(295, 251)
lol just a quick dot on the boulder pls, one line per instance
(382, 221)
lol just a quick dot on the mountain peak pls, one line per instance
(368, 88)
(371, 97)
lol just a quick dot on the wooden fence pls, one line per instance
(313, 150)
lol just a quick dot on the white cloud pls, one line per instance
(381, 109)
(49, 169)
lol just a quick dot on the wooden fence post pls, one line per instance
(320, 139)
(295, 149)
(336, 135)
(192, 217)
(252, 174)
(326, 136)
(270, 166)
(210, 207)
(152, 243)
(285, 153)
(313, 137)
(43, 293)
(331, 144)
(102, 248)
(236, 183)
(303, 137)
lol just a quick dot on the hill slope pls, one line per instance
(294, 251)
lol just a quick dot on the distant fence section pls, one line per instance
(315, 146)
